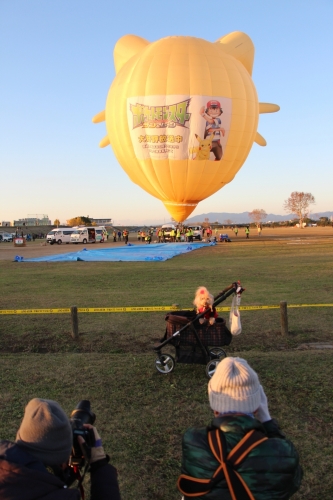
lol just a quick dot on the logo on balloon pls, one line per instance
(160, 116)
(161, 128)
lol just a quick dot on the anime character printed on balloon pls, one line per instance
(202, 151)
(212, 114)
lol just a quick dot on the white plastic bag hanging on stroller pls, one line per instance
(234, 318)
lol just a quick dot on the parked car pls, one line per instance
(6, 237)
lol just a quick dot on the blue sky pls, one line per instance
(56, 69)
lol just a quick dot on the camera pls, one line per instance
(81, 415)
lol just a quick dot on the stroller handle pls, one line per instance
(236, 287)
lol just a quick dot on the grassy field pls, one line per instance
(140, 413)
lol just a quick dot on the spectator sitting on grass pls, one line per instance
(215, 462)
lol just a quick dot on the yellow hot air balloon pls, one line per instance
(182, 114)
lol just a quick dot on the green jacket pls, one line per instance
(271, 470)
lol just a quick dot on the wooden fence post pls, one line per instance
(284, 318)
(75, 322)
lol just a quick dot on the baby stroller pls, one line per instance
(193, 342)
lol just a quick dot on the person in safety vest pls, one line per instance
(243, 454)
(172, 235)
(247, 231)
(178, 234)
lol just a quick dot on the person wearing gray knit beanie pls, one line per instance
(242, 454)
(46, 432)
(39, 463)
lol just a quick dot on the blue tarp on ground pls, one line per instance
(130, 252)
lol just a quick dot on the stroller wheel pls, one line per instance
(217, 352)
(165, 363)
(211, 367)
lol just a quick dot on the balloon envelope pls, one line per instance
(182, 115)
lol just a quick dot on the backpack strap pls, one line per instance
(193, 487)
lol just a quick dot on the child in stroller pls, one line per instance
(194, 341)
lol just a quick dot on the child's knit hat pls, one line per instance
(234, 387)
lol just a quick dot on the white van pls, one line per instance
(197, 232)
(88, 235)
(59, 235)
(167, 228)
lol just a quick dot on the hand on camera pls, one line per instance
(97, 451)
(262, 414)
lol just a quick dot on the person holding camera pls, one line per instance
(37, 465)
(243, 454)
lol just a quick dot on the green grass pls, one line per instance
(270, 273)
(140, 413)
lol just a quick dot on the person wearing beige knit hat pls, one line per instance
(234, 387)
(243, 454)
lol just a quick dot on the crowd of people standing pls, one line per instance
(180, 233)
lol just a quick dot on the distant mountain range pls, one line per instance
(243, 218)
(221, 217)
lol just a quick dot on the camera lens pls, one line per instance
(83, 413)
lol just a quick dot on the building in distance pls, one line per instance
(33, 220)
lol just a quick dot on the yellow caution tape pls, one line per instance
(35, 311)
(90, 310)
(126, 309)
(144, 309)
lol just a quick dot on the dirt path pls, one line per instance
(289, 235)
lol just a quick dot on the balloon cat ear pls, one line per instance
(265, 107)
(240, 46)
(127, 47)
